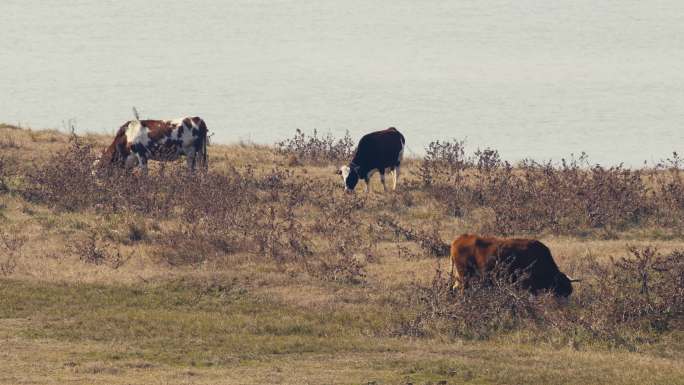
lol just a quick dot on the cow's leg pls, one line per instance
(131, 161)
(191, 159)
(395, 173)
(382, 180)
(457, 276)
(143, 164)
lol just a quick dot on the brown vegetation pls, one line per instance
(274, 260)
(572, 198)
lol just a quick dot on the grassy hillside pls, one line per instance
(264, 271)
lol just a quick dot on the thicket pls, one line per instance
(309, 225)
(316, 149)
(623, 303)
(206, 216)
(573, 197)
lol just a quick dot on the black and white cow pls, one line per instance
(377, 152)
(138, 141)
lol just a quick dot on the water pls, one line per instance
(531, 79)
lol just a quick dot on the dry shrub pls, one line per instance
(212, 214)
(429, 241)
(623, 303)
(185, 247)
(137, 231)
(346, 269)
(315, 149)
(11, 243)
(345, 239)
(292, 161)
(571, 198)
(488, 307)
(96, 251)
(668, 192)
(65, 181)
(4, 175)
(443, 162)
(643, 293)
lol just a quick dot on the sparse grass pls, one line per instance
(263, 271)
(214, 326)
(163, 322)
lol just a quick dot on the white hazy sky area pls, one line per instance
(532, 79)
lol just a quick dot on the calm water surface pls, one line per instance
(532, 79)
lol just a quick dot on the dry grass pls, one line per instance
(263, 271)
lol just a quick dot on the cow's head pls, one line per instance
(562, 285)
(350, 177)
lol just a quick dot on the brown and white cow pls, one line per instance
(472, 255)
(377, 152)
(138, 141)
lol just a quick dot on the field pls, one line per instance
(263, 270)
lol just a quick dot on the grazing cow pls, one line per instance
(473, 255)
(376, 152)
(138, 141)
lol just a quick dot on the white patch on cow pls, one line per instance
(345, 173)
(396, 177)
(94, 167)
(396, 169)
(186, 139)
(137, 133)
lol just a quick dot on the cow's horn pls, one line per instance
(575, 279)
(135, 113)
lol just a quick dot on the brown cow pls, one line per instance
(473, 255)
(138, 141)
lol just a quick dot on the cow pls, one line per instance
(376, 152)
(530, 259)
(138, 141)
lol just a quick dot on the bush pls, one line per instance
(443, 162)
(570, 198)
(315, 149)
(4, 175)
(212, 214)
(11, 244)
(430, 242)
(93, 250)
(486, 308)
(632, 300)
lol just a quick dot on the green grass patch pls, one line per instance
(183, 322)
